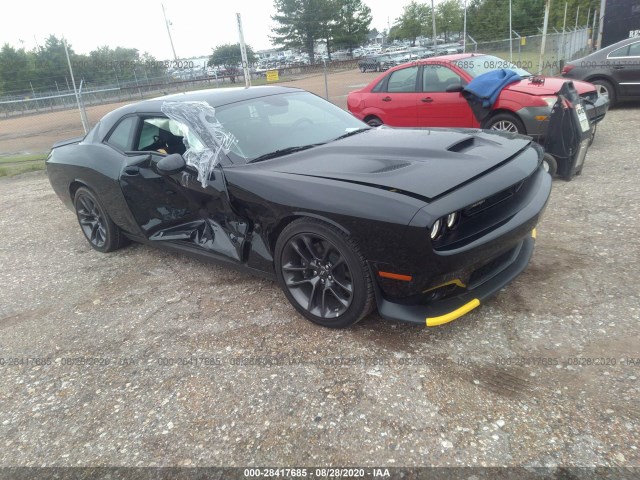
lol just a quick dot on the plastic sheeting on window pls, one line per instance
(204, 136)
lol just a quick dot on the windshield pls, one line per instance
(477, 65)
(282, 122)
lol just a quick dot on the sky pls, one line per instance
(197, 26)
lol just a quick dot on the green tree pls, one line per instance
(352, 23)
(229, 56)
(449, 18)
(298, 25)
(16, 69)
(412, 23)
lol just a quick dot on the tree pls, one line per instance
(412, 23)
(229, 56)
(352, 23)
(16, 68)
(299, 25)
(449, 17)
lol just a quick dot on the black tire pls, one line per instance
(505, 122)
(604, 87)
(363, 69)
(549, 164)
(373, 121)
(323, 274)
(102, 234)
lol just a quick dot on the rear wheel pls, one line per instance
(323, 274)
(605, 89)
(102, 234)
(505, 122)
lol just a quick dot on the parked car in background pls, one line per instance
(376, 63)
(614, 70)
(279, 182)
(427, 93)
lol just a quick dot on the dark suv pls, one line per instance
(374, 63)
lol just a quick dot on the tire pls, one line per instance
(373, 121)
(549, 164)
(323, 274)
(102, 234)
(604, 87)
(363, 69)
(505, 122)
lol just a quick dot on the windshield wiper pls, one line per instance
(352, 132)
(283, 151)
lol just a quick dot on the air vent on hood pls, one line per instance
(462, 145)
(390, 165)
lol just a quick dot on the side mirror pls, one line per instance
(171, 164)
(455, 87)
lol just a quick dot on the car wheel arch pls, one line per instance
(503, 111)
(283, 222)
(605, 78)
(75, 185)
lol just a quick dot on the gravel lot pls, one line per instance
(193, 364)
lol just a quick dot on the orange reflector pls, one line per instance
(396, 276)
(541, 118)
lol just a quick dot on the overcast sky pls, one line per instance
(197, 27)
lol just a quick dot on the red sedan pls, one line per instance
(427, 93)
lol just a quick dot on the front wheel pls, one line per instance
(323, 274)
(505, 122)
(549, 164)
(605, 89)
(102, 234)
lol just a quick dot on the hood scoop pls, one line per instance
(390, 165)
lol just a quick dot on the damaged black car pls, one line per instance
(422, 224)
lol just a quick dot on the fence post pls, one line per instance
(326, 83)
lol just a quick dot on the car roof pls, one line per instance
(603, 52)
(216, 97)
(438, 59)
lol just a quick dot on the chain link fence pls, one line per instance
(524, 51)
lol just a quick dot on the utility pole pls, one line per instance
(603, 4)
(510, 36)
(83, 115)
(547, 7)
(168, 24)
(464, 38)
(243, 52)
(433, 18)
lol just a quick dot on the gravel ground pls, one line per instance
(193, 364)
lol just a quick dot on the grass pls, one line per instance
(17, 164)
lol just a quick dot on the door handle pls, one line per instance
(427, 100)
(386, 99)
(131, 171)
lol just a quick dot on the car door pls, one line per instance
(625, 69)
(397, 98)
(177, 209)
(436, 106)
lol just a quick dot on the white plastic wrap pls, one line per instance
(204, 136)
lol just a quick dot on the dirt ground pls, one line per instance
(146, 358)
(36, 133)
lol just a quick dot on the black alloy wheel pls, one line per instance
(323, 274)
(102, 234)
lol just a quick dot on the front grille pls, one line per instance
(492, 201)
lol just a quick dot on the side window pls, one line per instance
(621, 52)
(436, 78)
(403, 81)
(123, 133)
(634, 50)
(161, 135)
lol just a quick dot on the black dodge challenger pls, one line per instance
(423, 224)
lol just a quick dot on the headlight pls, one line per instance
(435, 229)
(452, 218)
(551, 101)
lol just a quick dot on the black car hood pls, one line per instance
(422, 162)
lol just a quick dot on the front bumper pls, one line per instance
(596, 110)
(503, 270)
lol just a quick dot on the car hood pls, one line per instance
(425, 163)
(551, 86)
